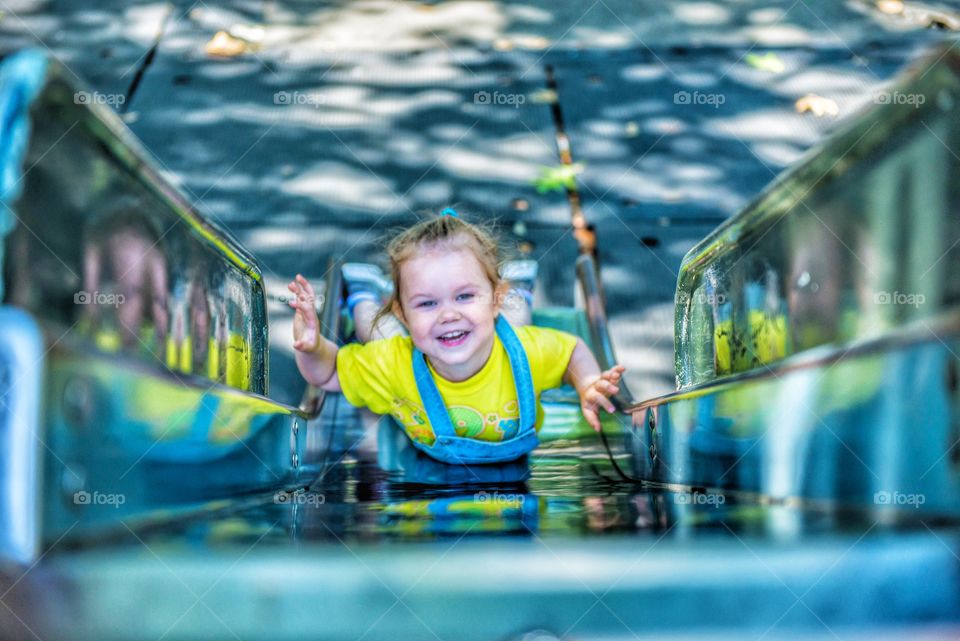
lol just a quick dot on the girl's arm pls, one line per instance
(316, 356)
(593, 386)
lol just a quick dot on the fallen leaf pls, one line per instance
(558, 178)
(225, 46)
(890, 6)
(766, 62)
(819, 105)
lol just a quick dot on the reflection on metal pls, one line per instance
(154, 363)
(21, 363)
(817, 331)
(160, 446)
(876, 426)
(104, 247)
(855, 241)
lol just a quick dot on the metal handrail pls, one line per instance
(595, 308)
(314, 397)
(943, 325)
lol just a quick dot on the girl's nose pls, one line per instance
(449, 313)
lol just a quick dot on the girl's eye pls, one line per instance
(426, 303)
(464, 297)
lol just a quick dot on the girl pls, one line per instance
(465, 385)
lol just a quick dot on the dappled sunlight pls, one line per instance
(335, 184)
(702, 13)
(771, 124)
(140, 23)
(381, 25)
(477, 165)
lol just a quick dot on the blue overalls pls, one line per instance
(457, 450)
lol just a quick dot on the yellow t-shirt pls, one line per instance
(379, 375)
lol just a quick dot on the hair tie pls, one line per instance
(449, 212)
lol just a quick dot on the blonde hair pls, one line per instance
(447, 232)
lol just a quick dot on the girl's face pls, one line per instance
(448, 306)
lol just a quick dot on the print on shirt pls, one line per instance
(467, 421)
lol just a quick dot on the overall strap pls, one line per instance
(436, 409)
(522, 377)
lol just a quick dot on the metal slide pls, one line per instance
(800, 484)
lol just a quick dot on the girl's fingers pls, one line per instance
(308, 288)
(600, 400)
(606, 388)
(614, 373)
(591, 415)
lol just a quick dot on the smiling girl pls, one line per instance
(465, 384)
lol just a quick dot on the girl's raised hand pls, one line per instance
(306, 324)
(598, 394)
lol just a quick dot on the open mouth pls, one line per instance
(454, 338)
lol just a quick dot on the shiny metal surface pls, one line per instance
(107, 248)
(21, 368)
(290, 569)
(126, 443)
(856, 240)
(154, 362)
(561, 546)
(875, 426)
